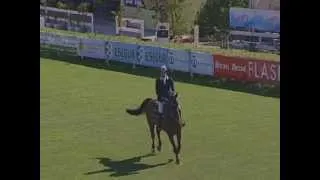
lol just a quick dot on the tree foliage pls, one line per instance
(84, 7)
(62, 5)
(176, 19)
(213, 17)
(171, 11)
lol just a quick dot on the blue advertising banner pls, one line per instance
(202, 63)
(262, 20)
(178, 60)
(126, 53)
(153, 56)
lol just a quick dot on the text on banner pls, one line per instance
(247, 69)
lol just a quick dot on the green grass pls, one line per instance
(229, 135)
(210, 49)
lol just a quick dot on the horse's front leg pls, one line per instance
(179, 141)
(175, 149)
(151, 128)
(159, 139)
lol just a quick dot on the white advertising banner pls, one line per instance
(58, 40)
(92, 48)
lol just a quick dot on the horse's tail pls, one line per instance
(140, 110)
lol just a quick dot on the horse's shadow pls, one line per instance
(125, 167)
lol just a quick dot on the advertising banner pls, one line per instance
(153, 56)
(178, 60)
(126, 53)
(201, 63)
(66, 44)
(55, 39)
(92, 48)
(247, 69)
(262, 20)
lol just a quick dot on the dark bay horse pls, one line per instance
(171, 124)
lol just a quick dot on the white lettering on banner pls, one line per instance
(154, 56)
(124, 53)
(256, 70)
(238, 68)
(140, 55)
(194, 60)
(251, 70)
(222, 66)
(263, 71)
(108, 50)
(171, 57)
(202, 63)
(273, 74)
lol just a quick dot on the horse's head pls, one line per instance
(174, 107)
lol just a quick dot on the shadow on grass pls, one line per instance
(125, 167)
(153, 73)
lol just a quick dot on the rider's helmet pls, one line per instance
(163, 70)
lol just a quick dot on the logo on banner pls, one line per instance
(194, 61)
(140, 54)
(170, 57)
(108, 50)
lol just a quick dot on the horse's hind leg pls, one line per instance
(175, 150)
(159, 139)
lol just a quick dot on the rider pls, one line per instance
(164, 86)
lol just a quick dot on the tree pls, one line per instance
(213, 17)
(51, 3)
(64, 6)
(83, 8)
(171, 11)
(177, 21)
(163, 10)
(119, 14)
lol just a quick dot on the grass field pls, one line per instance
(85, 133)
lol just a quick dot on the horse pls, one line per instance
(171, 123)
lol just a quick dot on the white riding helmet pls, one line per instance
(163, 68)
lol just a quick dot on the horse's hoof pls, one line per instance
(177, 162)
(153, 151)
(159, 149)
